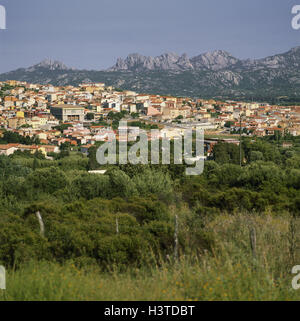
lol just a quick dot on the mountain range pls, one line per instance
(215, 74)
(215, 60)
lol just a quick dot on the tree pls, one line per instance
(228, 124)
(63, 127)
(46, 180)
(92, 164)
(226, 153)
(90, 116)
(255, 156)
(90, 186)
(65, 146)
(154, 182)
(121, 184)
(12, 137)
(270, 151)
(35, 164)
(135, 115)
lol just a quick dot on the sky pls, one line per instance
(92, 34)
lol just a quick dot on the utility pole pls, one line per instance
(117, 225)
(3, 281)
(253, 241)
(42, 226)
(176, 239)
(240, 140)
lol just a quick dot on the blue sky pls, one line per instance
(91, 34)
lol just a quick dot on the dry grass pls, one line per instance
(229, 273)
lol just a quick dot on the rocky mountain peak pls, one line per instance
(50, 64)
(215, 60)
(167, 61)
(295, 50)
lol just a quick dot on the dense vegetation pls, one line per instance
(9, 137)
(122, 224)
(229, 273)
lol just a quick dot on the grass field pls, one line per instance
(229, 272)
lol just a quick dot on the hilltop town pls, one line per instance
(49, 117)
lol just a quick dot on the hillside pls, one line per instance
(217, 74)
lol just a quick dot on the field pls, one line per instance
(230, 271)
(151, 232)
